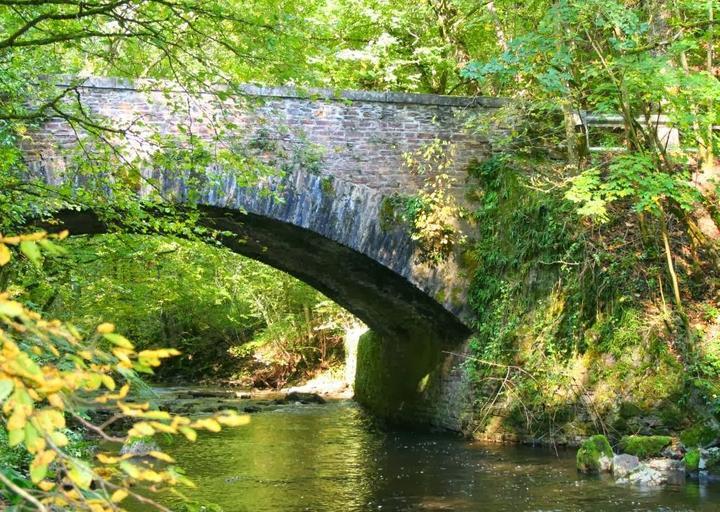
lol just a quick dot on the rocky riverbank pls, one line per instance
(649, 460)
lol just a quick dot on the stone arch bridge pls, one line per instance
(341, 156)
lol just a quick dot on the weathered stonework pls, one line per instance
(341, 154)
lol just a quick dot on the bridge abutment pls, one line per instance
(416, 383)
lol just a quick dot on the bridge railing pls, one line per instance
(667, 133)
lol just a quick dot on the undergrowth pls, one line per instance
(573, 319)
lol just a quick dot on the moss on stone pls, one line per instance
(713, 459)
(671, 415)
(387, 213)
(644, 446)
(692, 460)
(591, 452)
(392, 374)
(628, 410)
(326, 185)
(698, 435)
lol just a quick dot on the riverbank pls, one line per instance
(576, 330)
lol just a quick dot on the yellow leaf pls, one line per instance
(56, 401)
(107, 459)
(11, 240)
(162, 427)
(85, 354)
(10, 308)
(155, 415)
(119, 495)
(130, 469)
(234, 420)
(151, 476)
(39, 465)
(108, 381)
(207, 424)
(4, 254)
(105, 328)
(119, 340)
(49, 419)
(80, 474)
(162, 456)
(46, 485)
(189, 433)
(17, 420)
(92, 382)
(59, 439)
(33, 237)
(159, 353)
(141, 429)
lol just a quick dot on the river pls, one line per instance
(335, 458)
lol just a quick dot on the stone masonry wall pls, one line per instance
(340, 155)
(356, 136)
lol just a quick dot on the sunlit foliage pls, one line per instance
(49, 375)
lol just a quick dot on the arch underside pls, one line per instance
(386, 301)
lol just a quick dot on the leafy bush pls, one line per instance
(50, 374)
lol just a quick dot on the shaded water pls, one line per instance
(332, 458)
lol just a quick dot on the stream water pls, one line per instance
(334, 458)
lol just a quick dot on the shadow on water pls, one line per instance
(334, 457)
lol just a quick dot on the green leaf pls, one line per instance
(118, 339)
(15, 437)
(38, 472)
(6, 387)
(52, 248)
(31, 251)
(80, 474)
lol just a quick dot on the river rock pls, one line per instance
(624, 464)
(139, 448)
(304, 398)
(208, 393)
(656, 472)
(595, 455)
(644, 447)
(252, 408)
(709, 459)
(674, 451)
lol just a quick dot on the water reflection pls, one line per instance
(333, 458)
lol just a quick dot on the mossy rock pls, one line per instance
(644, 446)
(672, 416)
(629, 410)
(692, 460)
(698, 435)
(594, 455)
(713, 459)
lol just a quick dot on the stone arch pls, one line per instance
(326, 229)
